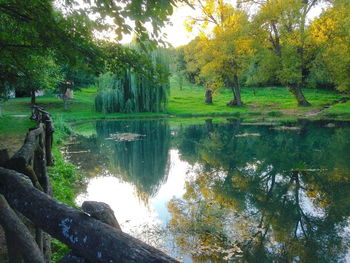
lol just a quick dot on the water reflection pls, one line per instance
(264, 194)
(137, 152)
(234, 192)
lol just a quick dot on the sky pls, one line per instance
(177, 35)
(176, 32)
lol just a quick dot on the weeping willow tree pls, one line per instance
(138, 88)
(143, 162)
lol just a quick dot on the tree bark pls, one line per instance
(96, 241)
(297, 92)
(33, 99)
(20, 241)
(4, 157)
(237, 91)
(237, 101)
(208, 96)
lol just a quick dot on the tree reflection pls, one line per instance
(279, 194)
(135, 151)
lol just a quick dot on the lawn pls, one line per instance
(260, 102)
(267, 100)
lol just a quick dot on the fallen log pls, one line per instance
(96, 241)
(20, 242)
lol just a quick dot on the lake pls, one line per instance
(223, 190)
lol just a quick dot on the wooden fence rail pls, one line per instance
(25, 188)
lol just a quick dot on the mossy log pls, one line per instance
(86, 236)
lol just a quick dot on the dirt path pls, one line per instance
(316, 112)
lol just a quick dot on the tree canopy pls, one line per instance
(66, 32)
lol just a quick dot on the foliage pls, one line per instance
(65, 178)
(223, 52)
(192, 62)
(331, 35)
(281, 30)
(143, 87)
(38, 73)
(65, 32)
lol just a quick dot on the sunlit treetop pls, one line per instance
(143, 17)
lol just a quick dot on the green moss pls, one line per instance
(65, 179)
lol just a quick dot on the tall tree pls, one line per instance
(284, 25)
(331, 36)
(226, 48)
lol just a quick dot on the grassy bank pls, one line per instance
(259, 103)
(189, 101)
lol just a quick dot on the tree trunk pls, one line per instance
(33, 101)
(208, 96)
(236, 92)
(297, 92)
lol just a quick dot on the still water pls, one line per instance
(223, 191)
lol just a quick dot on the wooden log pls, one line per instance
(18, 234)
(23, 157)
(48, 147)
(47, 247)
(96, 241)
(4, 157)
(72, 258)
(13, 254)
(101, 211)
(43, 117)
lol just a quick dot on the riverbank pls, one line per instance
(260, 102)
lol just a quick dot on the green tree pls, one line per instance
(37, 73)
(331, 35)
(141, 84)
(73, 78)
(223, 51)
(284, 34)
(67, 29)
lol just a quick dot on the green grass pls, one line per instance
(259, 102)
(339, 110)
